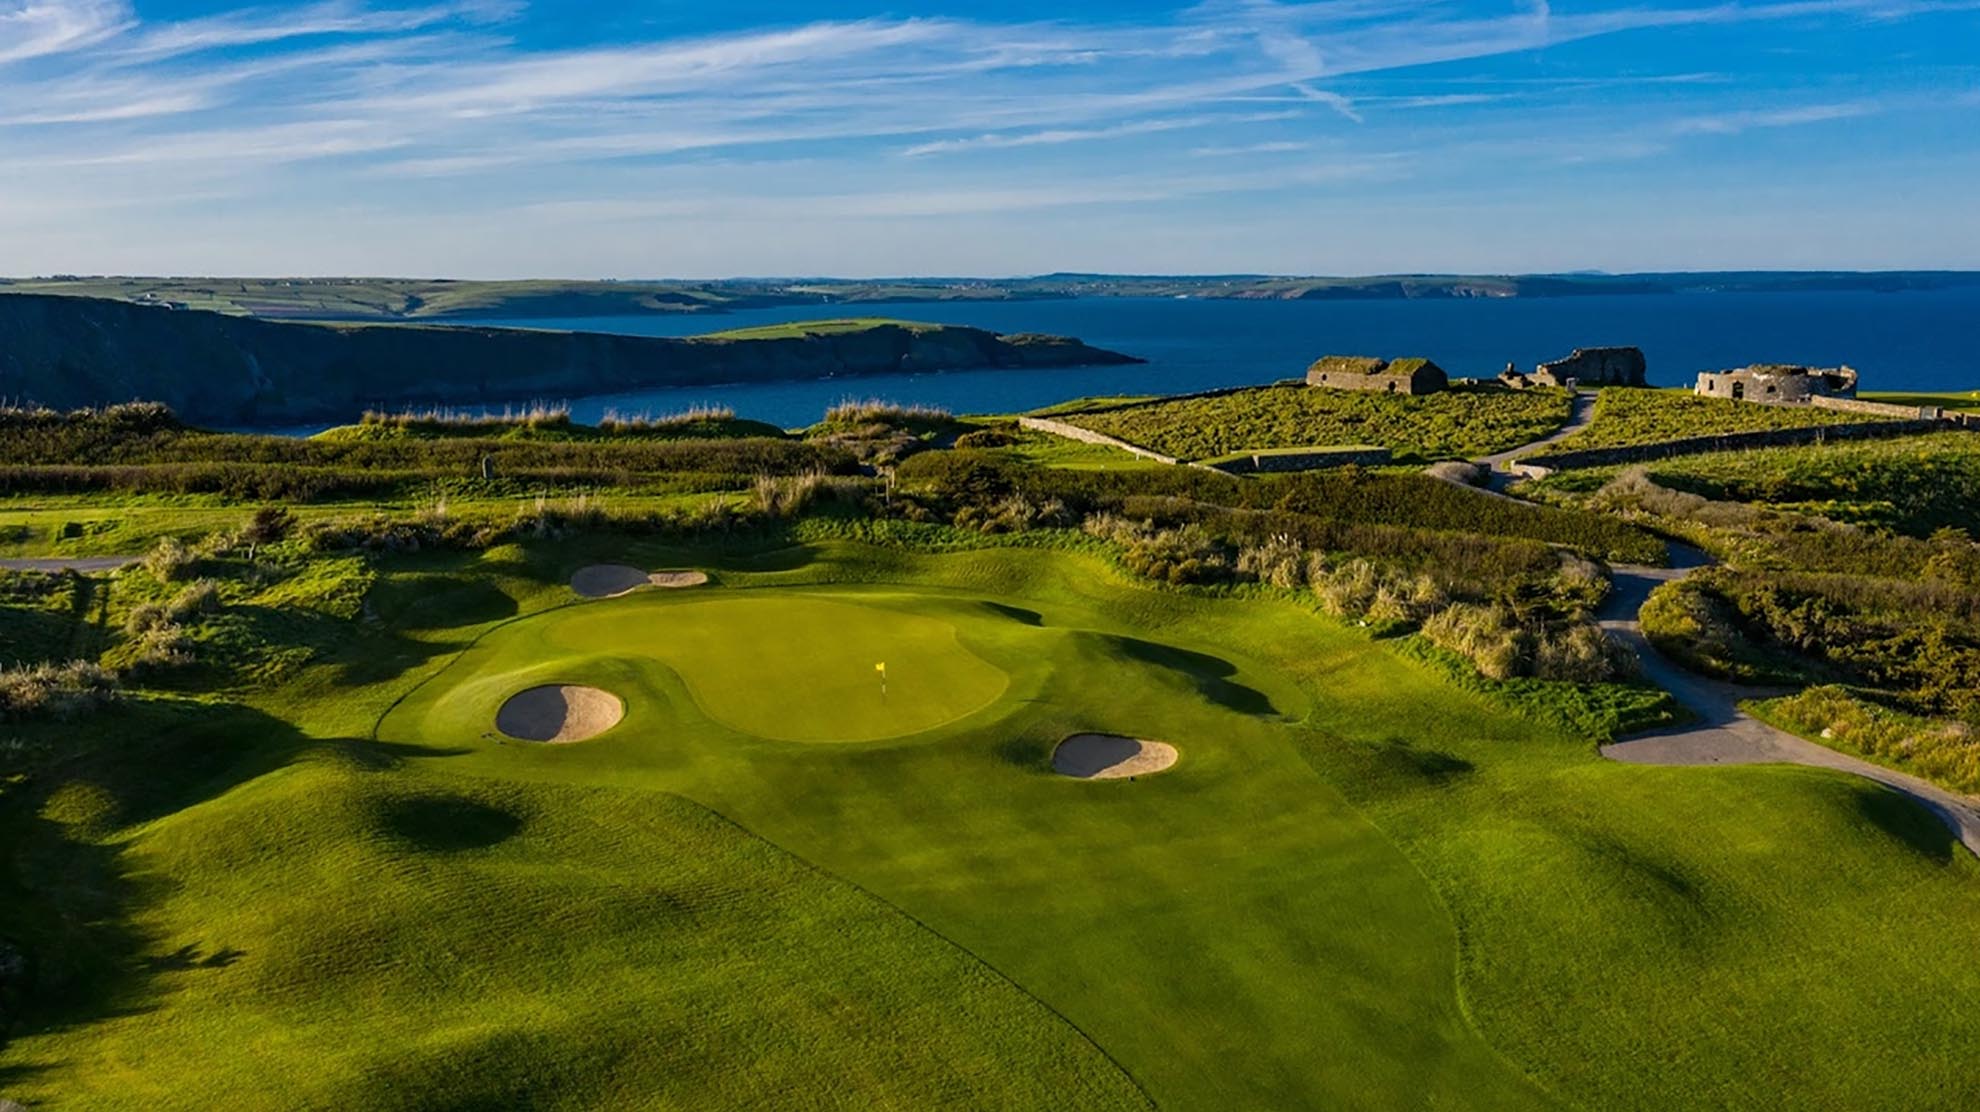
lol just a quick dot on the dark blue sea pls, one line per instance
(1921, 340)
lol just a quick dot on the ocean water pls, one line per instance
(1921, 340)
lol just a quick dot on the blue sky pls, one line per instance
(498, 138)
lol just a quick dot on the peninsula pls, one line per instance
(67, 352)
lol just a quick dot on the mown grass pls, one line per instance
(1455, 423)
(1635, 415)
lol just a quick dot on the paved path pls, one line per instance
(1725, 734)
(1579, 416)
(81, 564)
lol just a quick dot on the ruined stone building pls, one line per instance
(1601, 366)
(1778, 383)
(1362, 372)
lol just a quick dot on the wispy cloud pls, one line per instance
(38, 28)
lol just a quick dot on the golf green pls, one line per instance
(795, 667)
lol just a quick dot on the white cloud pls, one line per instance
(39, 28)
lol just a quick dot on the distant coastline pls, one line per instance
(333, 299)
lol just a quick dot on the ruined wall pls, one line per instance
(1602, 366)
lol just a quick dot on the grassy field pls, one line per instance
(1456, 423)
(1913, 484)
(1360, 887)
(1967, 401)
(1633, 415)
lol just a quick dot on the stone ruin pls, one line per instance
(1363, 372)
(1601, 366)
(1778, 383)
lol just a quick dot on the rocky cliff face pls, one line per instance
(69, 352)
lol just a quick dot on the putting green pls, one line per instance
(795, 667)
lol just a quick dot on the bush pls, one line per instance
(56, 690)
(170, 560)
(1178, 556)
(986, 438)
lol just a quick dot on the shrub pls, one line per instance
(790, 495)
(170, 560)
(56, 690)
(986, 438)
(1280, 560)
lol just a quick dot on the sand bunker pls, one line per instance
(1108, 757)
(559, 713)
(613, 580)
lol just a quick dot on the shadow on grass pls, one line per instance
(1908, 821)
(72, 952)
(447, 824)
(1016, 613)
(1209, 674)
(440, 602)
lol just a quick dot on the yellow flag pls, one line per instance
(881, 668)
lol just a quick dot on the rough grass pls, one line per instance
(1627, 415)
(1455, 423)
(1942, 751)
(1914, 484)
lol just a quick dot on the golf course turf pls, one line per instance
(771, 886)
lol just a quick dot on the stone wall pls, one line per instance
(1727, 442)
(1880, 409)
(1088, 436)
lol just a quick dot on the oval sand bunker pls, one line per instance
(1109, 757)
(613, 580)
(559, 713)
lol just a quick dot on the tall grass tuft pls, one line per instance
(56, 690)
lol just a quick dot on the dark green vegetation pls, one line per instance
(418, 299)
(1627, 415)
(69, 352)
(1802, 599)
(282, 860)
(1455, 423)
